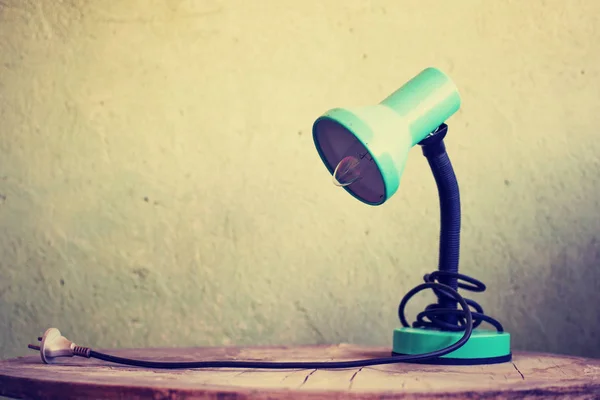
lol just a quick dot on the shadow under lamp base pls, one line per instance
(483, 347)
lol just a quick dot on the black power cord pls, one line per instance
(308, 365)
(445, 282)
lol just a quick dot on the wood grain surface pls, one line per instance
(530, 375)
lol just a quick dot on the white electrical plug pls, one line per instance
(54, 345)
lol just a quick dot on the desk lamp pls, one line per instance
(365, 150)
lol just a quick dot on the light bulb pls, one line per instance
(349, 170)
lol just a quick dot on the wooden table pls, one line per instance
(530, 375)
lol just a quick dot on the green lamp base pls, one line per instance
(483, 347)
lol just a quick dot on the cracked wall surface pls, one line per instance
(159, 185)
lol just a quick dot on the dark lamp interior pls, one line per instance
(335, 143)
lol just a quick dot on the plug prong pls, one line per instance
(33, 347)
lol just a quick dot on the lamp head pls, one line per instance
(365, 148)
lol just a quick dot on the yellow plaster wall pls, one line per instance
(160, 186)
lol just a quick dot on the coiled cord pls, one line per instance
(435, 315)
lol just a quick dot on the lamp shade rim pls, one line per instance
(349, 122)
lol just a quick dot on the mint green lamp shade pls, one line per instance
(365, 148)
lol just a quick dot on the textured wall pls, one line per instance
(159, 184)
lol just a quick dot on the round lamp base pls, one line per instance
(483, 347)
